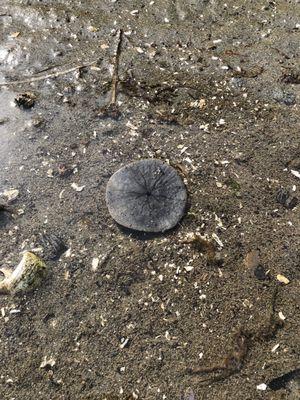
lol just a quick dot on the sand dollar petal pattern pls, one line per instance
(146, 195)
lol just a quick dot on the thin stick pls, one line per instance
(48, 68)
(115, 75)
(53, 75)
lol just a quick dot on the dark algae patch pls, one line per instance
(25, 100)
(208, 87)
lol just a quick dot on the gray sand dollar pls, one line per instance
(146, 195)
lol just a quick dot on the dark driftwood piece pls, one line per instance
(115, 75)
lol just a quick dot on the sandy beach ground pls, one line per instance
(213, 89)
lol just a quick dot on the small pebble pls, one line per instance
(189, 394)
(288, 201)
(262, 386)
(95, 263)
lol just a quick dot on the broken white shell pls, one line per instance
(25, 277)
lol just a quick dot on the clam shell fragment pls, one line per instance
(25, 277)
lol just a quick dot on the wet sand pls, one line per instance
(213, 90)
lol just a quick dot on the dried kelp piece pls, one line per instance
(283, 381)
(146, 195)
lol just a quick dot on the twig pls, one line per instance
(48, 68)
(53, 75)
(115, 74)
